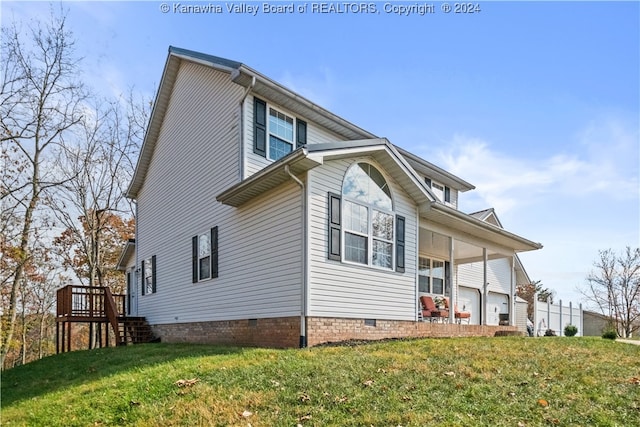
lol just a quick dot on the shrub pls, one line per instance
(570, 330)
(550, 333)
(610, 334)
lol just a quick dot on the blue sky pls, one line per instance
(535, 103)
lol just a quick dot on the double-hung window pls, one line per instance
(205, 255)
(280, 134)
(149, 275)
(276, 134)
(442, 192)
(431, 276)
(368, 217)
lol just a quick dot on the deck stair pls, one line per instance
(101, 309)
(135, 330)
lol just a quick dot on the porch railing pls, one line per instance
(88, 302)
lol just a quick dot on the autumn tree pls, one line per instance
(40, 104)
(613, 288)
(528, 292)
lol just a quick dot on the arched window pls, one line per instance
(368, 218)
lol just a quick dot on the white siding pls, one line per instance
(343, 290)
(498, 275)
(253, 162)
(499, 279)
(196, 158)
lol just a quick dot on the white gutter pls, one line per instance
(303, 300)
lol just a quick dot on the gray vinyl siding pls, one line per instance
(196, 158)
(254, 162)
(338, 289)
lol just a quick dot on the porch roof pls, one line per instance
(126, 254)
(310, 156)
(466, 224)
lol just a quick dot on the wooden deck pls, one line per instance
(102, 310)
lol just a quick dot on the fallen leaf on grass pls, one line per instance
(635, 381)
(368, 383)
(186, 383)
(543, 403)
(247, 414)
(450, 374)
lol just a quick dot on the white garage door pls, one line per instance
(496, 304)
(469, 300)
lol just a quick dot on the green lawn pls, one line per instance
(449, 382)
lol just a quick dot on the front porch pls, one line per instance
(472, 261)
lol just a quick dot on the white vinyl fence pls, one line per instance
(556, 317)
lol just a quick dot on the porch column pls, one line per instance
(512, 310)
(485, 285)
(454, 292)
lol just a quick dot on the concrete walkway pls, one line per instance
(636, 342)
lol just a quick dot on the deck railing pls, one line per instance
(87, 302)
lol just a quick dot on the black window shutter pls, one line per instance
(448, 278)
(400, 230)
(214, 252)
(194, 259)
(153, 274)
(301, 133)
(335, 225)
(144, 285)
(260, 127)
(447, 194)
(428, 181)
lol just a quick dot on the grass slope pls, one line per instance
(448, 382)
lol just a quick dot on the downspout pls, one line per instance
(303, 305)
(136, 271)
(244, 97)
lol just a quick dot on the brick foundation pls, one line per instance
(281, 332)
(322, 330)
(284, 332)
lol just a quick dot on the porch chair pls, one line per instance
(430, 311)
(459, 315)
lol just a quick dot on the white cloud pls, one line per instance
(604, 164)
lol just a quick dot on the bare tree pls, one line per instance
(40, 104)
(613, 288)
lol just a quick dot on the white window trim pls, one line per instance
(200, 235)
(369, 236)
(444, 275)
(269, 134)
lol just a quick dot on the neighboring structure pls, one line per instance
(595, 324)
(264, 219)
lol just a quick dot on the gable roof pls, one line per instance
(435, 172)
(489, 215)
(385, 153)
(261, 85)
(243, 76)
(310, 156)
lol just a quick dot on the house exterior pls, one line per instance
(264, 219)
